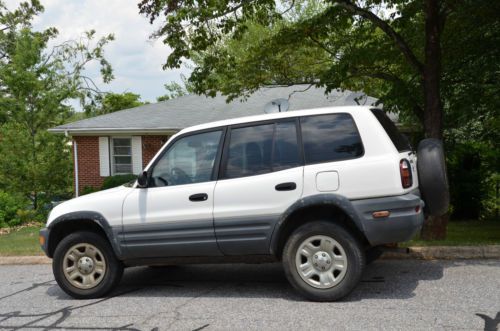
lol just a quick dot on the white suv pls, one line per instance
(312, 188)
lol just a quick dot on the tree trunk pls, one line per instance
(434, 227)
(33, 169)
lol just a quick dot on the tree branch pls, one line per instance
(389, 77)
(387, 29)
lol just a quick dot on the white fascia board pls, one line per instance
(113, 131)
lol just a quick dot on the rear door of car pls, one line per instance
(333, 150)
(261, 175)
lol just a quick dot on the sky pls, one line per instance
(137, 61)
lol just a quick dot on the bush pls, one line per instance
(88, 190)
(117, 180)
(28, 215)
(473, 177)
(10, 206)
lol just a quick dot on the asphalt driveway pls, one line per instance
(394, 295)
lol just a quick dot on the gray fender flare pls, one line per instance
(97, 218)
(330, 199)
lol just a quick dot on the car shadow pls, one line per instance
(383, 279)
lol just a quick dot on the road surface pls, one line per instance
(394, 295)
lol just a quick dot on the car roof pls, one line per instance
(272, 116)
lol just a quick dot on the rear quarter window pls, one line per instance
(330, 137)
(398, 139)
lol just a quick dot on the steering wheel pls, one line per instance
(179, 176)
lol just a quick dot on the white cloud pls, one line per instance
(137, 61)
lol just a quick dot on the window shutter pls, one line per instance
(136, 154)
(104, 156)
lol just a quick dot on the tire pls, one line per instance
(84, 255)
(433, 181)
(344, 245)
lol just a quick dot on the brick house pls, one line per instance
(125, 141)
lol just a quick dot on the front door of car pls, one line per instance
(173, 216)
(261, 176)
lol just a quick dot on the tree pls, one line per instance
(402, 51)
(35, 84)
(111, 102)
(174, 90)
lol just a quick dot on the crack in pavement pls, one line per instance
(177, 314)
(64, 312)
(32, 287)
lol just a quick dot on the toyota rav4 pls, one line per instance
(314, 189)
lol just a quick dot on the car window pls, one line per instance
(189, 160)
(261, 149)
(331, 137)
(398, 139)
(249, 151)
(286, 148)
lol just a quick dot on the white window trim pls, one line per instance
(112, 156)
(104, 157)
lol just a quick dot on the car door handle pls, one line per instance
(286, 186)
(198, 197)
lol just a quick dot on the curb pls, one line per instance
(443, 252)
(421, 253)
(24, 260)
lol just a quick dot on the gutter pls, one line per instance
(107, 131)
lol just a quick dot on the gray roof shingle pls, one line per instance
(189, 110)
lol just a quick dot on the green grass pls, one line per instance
(21, 242)
(25, 240)
(465, 233)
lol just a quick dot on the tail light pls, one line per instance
(405, 170)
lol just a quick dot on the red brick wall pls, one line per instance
(88, 157)
(88, 162)
(150, 146)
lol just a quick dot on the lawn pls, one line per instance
(465, 233)
(25, 240)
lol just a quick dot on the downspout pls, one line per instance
(75, 166)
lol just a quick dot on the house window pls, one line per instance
(121, 155)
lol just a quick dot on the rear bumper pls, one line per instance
(403, 222)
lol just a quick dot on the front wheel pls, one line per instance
(323, 261)
(85, 266)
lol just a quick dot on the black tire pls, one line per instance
(433, 181)
(353, 251)
(113, 271)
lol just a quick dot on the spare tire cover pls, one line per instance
(432, 178)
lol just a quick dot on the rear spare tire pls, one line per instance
(433, 181)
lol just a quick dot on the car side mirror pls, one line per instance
(142, 180)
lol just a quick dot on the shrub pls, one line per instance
(27, 215)
(117, 180)
(473, 177)
(88, 189)
(10, 205)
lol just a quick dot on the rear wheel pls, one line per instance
(323, 261)
(85, 266)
